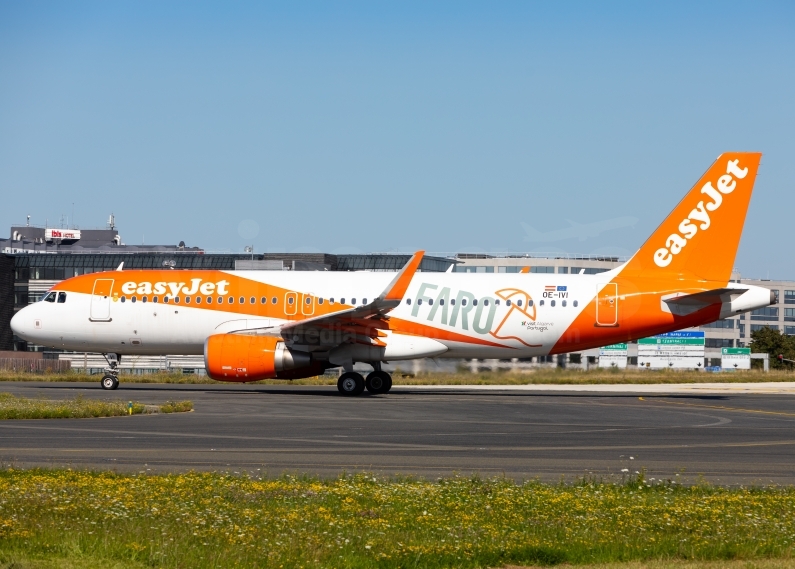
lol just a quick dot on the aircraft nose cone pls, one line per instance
(19, 324)
(772, 297)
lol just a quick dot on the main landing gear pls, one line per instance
(377, 383)
(110, 379)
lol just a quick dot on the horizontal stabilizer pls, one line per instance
(683, 304)
(707, 297)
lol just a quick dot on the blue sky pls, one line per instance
(344, 127)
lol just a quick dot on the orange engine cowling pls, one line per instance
(239, 357)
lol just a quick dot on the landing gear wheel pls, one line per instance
(109, 382)
(351, 383)
(378, 382)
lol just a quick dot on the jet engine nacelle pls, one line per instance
(241, 358)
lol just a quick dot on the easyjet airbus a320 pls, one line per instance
(264, 324)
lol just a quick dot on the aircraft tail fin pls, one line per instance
(699, 238)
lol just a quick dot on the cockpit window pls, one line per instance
(50, 297)
(61, 297)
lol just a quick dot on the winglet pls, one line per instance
(397, 288)
(120, 267)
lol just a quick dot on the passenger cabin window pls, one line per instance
(474, 302)
(176, 299)
(165, 299)
(263, 300)
(308, 300)
(61, 297)
(320, 301)
(230, 300)
(364, 301)
(563, 303)
(133, 299)
(331, 300)
(50, 297)
(187, 300)
(242, 300)
(342, 300)
(575, 304)
(551, 303)
(541, 302)
(519, 303)
(154, 299)
(290, 300)
(209, 300)
(274, 300)
(353, 301)
(123, 299)
(508, 302)
(408, 301)
(452, 301)
(144, 299)
(253, 300)
(198, 300)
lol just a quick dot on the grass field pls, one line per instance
(538, 376)
(13, 407)
(75, 519)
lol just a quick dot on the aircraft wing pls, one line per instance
(361, 323)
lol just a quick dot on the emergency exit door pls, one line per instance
(607, 304)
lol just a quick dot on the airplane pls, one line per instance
(582, 231)
(253, 325)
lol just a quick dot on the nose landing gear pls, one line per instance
(110, 379)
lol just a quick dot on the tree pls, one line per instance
(773, 342)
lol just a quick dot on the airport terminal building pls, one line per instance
(33, 259)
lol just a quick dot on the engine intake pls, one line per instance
(239, 357)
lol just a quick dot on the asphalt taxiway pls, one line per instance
(727, 436)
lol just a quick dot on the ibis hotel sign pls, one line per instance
(674, 350)
(64, 234)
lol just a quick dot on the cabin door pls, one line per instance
(607, 304)
(100, 300)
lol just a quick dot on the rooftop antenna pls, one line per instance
(28, 224)
(112, 221)
(73, 216)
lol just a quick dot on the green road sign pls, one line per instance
(736, 351)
